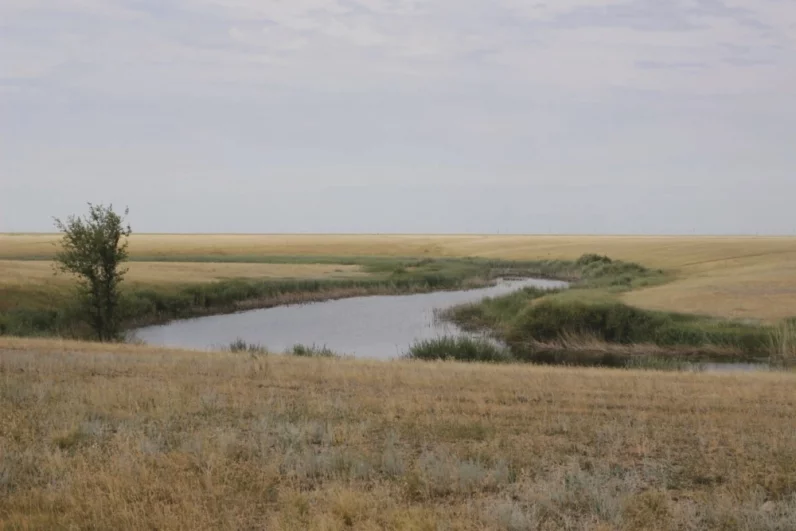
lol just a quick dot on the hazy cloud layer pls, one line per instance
(401, 115)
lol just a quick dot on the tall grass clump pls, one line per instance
(612, 322)
(489, 313)
(783, 344)
(662, 363)
(601, 271)
(461, 348)
(240, 345)
(615, 322)
(313, 351)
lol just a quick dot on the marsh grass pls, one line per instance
(533, 321)
(460, 348)
(313, 351)
(129, 437)
(783, 344)
(240, 345)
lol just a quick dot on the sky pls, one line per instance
(416, 116)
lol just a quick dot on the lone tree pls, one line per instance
(93, 248)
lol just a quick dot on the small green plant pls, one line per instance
(313, 351)
(239, 345)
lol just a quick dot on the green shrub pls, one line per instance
(612, 322)
(589, 259)
(313, 351)
(459, 348)
(239, 345)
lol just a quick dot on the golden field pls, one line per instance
(738, 277)
(20, 272)
(124, 437)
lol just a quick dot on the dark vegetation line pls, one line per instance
(61, 316)
(540, 326)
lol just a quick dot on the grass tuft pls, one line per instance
(783, 344)
(313, 351)
(460, 348)
(239, 345)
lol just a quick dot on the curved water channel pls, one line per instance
(379, 327)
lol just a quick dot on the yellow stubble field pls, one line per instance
(737, 277)
(128, 437)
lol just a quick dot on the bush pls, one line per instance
(459, 348)
(239, 345)
(612, 322)
(313, 351)
(618, 323)
(589, 259)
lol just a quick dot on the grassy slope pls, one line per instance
(724, 276)
(122, 437)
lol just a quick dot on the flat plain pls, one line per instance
(736, 277)
(126, 437)
(97, 436)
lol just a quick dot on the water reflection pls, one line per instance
(378, 327)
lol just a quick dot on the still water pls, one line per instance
(379, 327)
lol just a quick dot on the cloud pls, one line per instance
(575, 45)
(273, 93)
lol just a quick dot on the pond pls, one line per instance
(379, 327)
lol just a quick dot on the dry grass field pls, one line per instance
(670, 252)
(124, 437)
(34, 284)
(738, 277)
(21, 272)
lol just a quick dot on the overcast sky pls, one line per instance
(538, 116)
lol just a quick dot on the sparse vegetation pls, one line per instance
(109, 436)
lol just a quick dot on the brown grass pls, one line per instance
(123, 437)
(740, 277)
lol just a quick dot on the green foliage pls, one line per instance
(591, 259)
(460, 348)
(589, 310)
(93, 249)
(490, 313)
(662, 363)
(783, 344)
(313, 351)
(239, 345)
(615, 322)
(143, 305)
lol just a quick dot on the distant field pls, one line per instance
(21, 272)
(125, 437)
(739, 277)
(655, 251)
